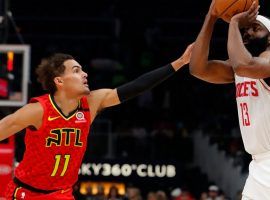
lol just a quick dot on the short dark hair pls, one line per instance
(49, 68)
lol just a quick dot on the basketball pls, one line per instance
(228, 8)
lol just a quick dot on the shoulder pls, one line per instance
(30, 114)
(33, 109)
(100, 92)
(102, 98)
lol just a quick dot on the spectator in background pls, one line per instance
(100, 193)
(213, 193)
(133, 193)
(151, 196)
(203, 196)
(89, 193)
(114, 194)
(161, 195)
(176, 194)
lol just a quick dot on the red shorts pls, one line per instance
(14, 191)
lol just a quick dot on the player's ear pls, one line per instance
(58, 80)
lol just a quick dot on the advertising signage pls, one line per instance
(130, 171)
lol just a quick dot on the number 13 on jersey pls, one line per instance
(245, 114)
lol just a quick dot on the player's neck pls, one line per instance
(65, 103)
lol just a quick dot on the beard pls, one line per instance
(257, 45)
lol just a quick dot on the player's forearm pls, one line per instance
(200, 53)
(146, 81)
(238, 54)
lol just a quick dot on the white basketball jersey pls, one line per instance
(253, 104)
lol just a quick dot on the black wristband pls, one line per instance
(144, 82)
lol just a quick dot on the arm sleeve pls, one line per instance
(144, 82)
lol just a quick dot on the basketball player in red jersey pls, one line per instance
(57, 124)
(249, 67)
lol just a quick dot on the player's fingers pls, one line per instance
(254, 14)
(189, 48)
(252, 7)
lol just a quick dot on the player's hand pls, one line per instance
(184, 59)
(187, 54)
(248, 17)
(212, 9)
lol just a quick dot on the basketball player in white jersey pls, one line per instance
(249, 67)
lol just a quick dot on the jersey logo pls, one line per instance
(80, 117)
(52, 118)
(23, 195)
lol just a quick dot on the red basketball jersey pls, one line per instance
(54, 152)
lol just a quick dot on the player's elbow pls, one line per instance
(196, 70)
(241, 68)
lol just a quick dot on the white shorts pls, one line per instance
(255, 191)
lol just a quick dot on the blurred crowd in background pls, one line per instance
(134, 193)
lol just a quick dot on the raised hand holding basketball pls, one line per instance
(246, 18)
(226, 9)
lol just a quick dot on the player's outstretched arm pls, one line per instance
(244, 64)
(214, 71)
(103, 98)
(29, 115)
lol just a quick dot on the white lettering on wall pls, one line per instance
(126, 170)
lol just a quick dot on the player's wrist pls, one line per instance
(211, 18)
(234, 21)
(177, 64)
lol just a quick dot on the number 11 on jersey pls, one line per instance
(245, 114)
(57, 163)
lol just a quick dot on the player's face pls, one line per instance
(74, 79)
(255, 31)
(256, 38)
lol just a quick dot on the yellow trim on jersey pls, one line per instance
(66, 118)
(15, 193)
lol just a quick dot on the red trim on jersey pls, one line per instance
(265, 85)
